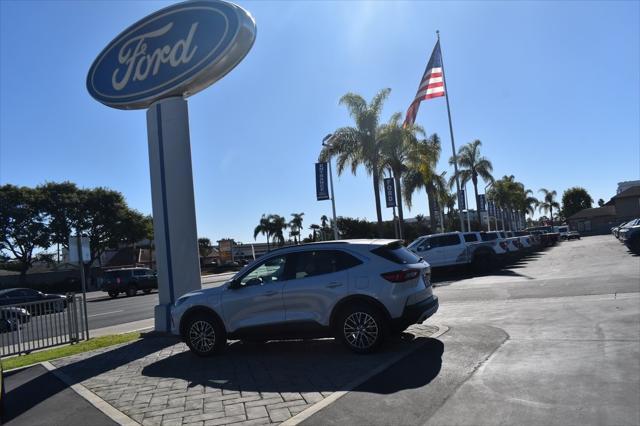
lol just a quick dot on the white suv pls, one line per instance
(359, 291)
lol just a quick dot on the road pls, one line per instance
(106, 312)
(554, 339)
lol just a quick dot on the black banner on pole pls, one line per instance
(483, 203)
(390, 192)
(461, 203)
(322, 182)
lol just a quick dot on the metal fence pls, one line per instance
(26, 327)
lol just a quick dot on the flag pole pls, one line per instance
(453, 145)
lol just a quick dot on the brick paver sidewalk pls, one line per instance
(157, 381)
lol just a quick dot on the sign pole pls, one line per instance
(84, 283)
(174, 213)
(466, 204)
(333, 203)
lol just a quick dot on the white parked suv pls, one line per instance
(359, 291)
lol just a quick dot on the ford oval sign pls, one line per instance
(176, 51)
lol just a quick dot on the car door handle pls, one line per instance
(334, 285)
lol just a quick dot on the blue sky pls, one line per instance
(550, 88)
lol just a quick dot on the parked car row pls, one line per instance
(482, 251)
(629, 234)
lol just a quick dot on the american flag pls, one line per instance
(431, 84)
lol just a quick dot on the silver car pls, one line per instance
(358, 291)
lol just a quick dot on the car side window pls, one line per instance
(469, 238)
(312, 263)
(270, 271)
(320, 262)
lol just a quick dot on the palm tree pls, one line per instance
(263, 228)
(314, 227)
(501, 193)
(471, 165)
(421, 172)
(277, 225)
(359, 145)
(397, 143)
(296, 224)
(548, 202)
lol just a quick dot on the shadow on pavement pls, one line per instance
(293, 366)
(110, 359)
(36, 397)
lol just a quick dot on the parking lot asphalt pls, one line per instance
(570, 317)
(36, 397)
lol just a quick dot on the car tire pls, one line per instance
(634, 245)
(113, 294)
(132, 290)
(146, 291)
(204, 335)
(362, 328)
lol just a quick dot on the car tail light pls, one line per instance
(401, 276)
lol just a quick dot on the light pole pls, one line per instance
(325, 141)
(488, 218)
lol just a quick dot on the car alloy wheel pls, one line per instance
(202, 336)
(361, 331)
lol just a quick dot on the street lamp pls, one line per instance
(326, 142)
(488, 217)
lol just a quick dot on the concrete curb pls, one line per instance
(304, 415)
(106, 408)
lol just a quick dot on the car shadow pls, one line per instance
(297, 366)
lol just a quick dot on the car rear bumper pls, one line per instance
(416, 313)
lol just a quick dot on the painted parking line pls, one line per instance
(105, 313)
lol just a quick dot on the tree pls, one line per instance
(277, 225)
(107, 220)
(507, 194)
(63, 209)
(23, 225)
(574, 200)
(359, 145)
(296, 225)
(315, 228)
(471, 165)
(600, 202)
(397, 142)
(263, 228)
(548, 203)
(205, 248)
(421, 173)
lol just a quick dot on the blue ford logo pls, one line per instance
(176, 51)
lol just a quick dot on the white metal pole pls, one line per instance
(333, 204)
(466, 202)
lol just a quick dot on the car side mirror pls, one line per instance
(234, 285)
(255, 281)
